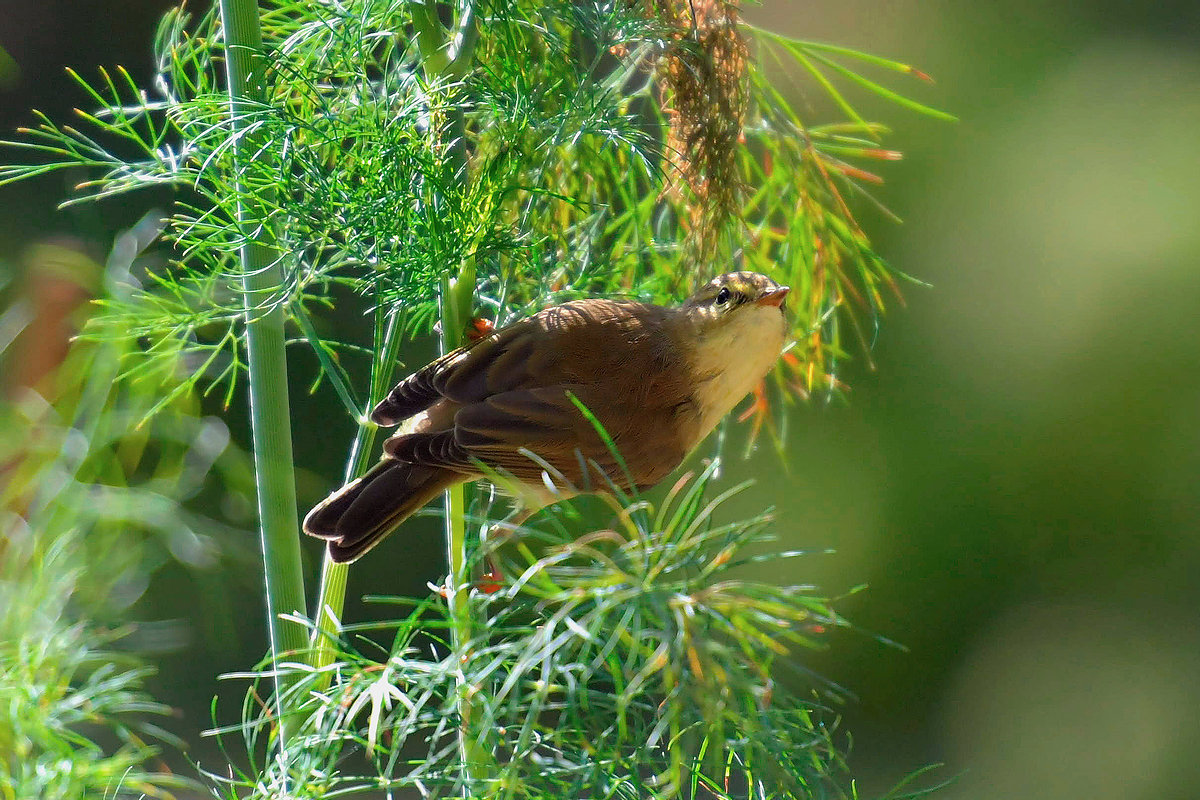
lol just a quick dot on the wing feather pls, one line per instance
(465, 375)
(508, 397)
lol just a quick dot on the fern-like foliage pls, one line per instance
(532, 152)
(631, 663)
(548, 155)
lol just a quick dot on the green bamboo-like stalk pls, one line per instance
(446, 55)
(270, 417)
(332, 596)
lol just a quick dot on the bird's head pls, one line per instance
(735, 332)
(740, 297)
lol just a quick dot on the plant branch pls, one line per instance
(270, 416)
(332, 599)
(457, 297)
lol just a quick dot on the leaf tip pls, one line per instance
(925, 76)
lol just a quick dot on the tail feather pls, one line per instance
(360, 514)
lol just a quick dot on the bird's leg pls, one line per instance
(493, 579)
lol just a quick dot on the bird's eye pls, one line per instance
(724, 295)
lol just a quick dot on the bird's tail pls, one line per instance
(356, 517)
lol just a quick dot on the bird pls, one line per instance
(654, 380)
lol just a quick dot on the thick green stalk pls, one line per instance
(270, 417)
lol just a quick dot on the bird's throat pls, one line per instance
(731, 358)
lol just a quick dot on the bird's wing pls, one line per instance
(533, 352)
(509, 395)
(420, 390)
(519, 433)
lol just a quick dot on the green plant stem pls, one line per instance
(332, 598)
(331, 601)
(448, 58)
(457, 298)
(446, 54)
(270, 417)
(431, 37)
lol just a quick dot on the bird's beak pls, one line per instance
(774, 297)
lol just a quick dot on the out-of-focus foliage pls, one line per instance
(92, 503)
(75, 721)
(8, 69)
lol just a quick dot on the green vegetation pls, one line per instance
(431, 167)
(95, 497)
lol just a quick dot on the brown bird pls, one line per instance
(656, 378)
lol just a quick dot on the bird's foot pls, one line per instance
(492, 581)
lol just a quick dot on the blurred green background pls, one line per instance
(1016, 480)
